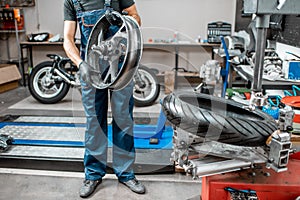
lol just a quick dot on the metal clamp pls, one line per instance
(5, 141)
(280, 148)
(257, 100)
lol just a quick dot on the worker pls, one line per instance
(95, 101)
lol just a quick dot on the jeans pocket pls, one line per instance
(89, 20)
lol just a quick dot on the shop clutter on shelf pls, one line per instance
(11, 19)
(38, 37)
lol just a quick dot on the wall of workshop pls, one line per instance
(160, 18)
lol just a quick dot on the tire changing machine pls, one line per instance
(237, 172)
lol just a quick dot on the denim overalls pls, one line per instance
(95, 102)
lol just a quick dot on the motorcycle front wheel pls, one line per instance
(146, 87)
(45, 86)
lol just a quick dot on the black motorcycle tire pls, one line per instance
(37, 93)
(151, 80)
(218, 119)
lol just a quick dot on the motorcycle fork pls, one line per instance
(53, 68)
(62, 72)
(56, 70)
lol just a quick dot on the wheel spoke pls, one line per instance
(143, 94)
(54, 88)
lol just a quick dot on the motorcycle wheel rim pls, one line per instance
(41, 89)
(120, 70)
(146, 93)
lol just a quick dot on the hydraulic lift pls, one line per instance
(56, 143)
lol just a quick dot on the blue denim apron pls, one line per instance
(95, 103)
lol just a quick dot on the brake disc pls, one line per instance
(114, 52)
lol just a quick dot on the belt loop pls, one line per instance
(78, 6)
(107, 4)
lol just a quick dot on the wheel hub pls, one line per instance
(47, 82)
(142, 86)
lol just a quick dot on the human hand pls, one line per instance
(112, 18)
(84, 72)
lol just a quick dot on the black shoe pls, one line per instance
(88, 187)
(135, 186)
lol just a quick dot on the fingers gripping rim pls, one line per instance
(203, 115)
(113, 52)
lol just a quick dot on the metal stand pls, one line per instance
(160, 126)
(262, 24)
(263, 10)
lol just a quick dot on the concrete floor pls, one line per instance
(49, 185)
(28, 184)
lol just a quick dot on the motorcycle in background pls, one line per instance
(50, 81)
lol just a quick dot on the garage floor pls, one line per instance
(44, 184)
(48, 185)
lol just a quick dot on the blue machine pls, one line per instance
(156, 136)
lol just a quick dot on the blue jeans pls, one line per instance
(95, 103)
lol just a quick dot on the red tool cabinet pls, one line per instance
(268, 184)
